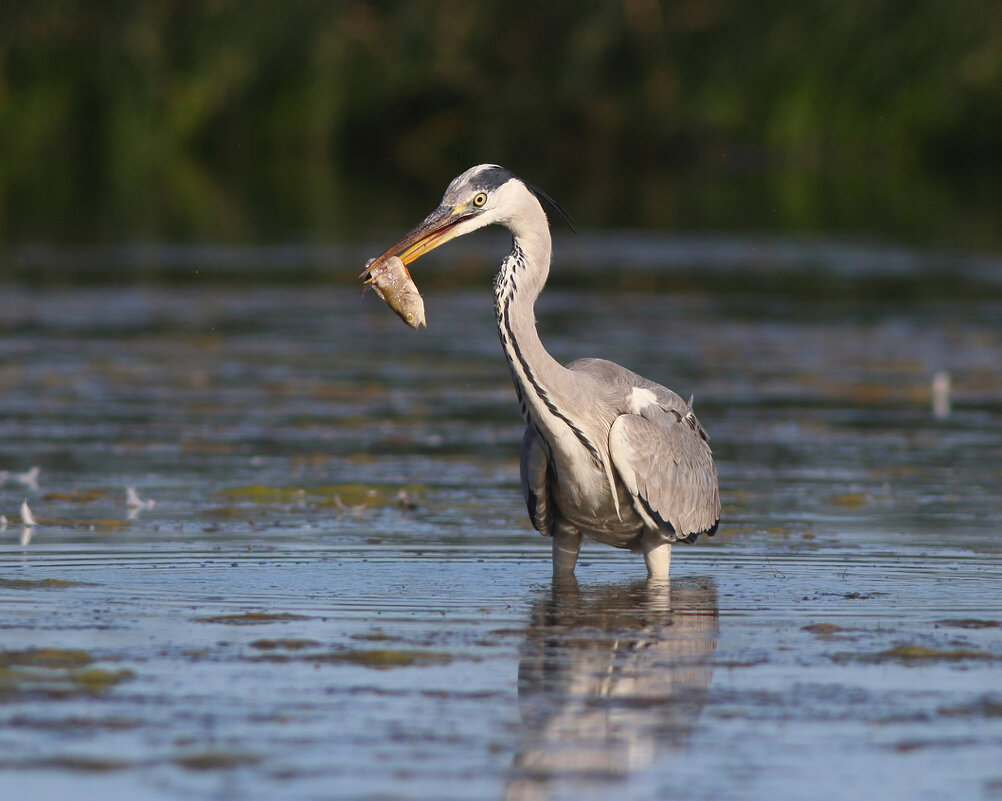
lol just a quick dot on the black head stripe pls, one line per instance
(491, 178)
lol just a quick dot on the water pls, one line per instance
(337, 593)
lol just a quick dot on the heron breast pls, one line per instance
(583, 497)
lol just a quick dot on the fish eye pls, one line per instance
(479, 199)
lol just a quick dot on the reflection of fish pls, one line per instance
(609, 679)
(393, 283)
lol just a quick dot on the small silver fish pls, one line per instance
(392, 281)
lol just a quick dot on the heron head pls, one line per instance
(481, 196)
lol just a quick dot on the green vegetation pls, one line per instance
(261, 121)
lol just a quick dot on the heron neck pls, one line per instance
(518, 284)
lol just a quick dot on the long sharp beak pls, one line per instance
(436, 229)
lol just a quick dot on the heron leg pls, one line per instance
(566, 545)
(657, 554)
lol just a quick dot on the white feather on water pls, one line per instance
(941, 386)
(133, 501)
(26, 516)
(29, 478)
(28, 519)
(136, 504)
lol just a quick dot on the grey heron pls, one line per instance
(607, 453)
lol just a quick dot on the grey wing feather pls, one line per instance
(664, 460)
(621, 381)
(660, 451)
(534, 466)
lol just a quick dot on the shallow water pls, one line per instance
(337, 593)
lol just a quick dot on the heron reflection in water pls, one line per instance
(607, 453)
(610, 679)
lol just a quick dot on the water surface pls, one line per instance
(337, 593)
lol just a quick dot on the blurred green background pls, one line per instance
(263, 122)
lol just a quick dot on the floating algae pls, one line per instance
(824, 629)
(352, 495)
(215, 760)
(250, 618)
(385, 658)
(45, 658)
(917, 654)
(76, 496)
(375, 658)
(55, 672)
(286, 644)
(40, 584)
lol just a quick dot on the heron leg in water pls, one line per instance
(566, 545)
(657, 554)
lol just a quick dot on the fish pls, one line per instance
(392, 281)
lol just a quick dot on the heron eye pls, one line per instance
(479, 199)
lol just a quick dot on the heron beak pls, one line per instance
(436, 229)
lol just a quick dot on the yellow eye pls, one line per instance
(479, 199)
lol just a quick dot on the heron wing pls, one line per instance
(663, 458)
(535, 469)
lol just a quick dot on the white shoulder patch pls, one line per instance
(641, 398)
